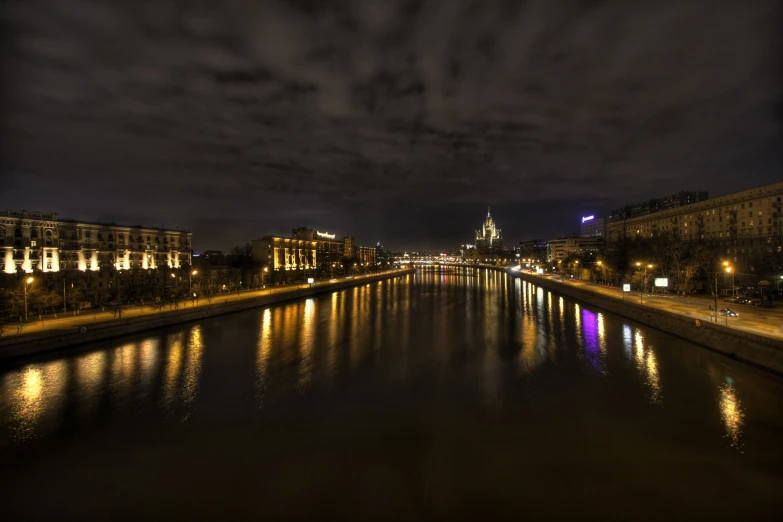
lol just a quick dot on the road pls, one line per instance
(91, 317)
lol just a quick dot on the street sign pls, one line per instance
(626, 287)
(764, 282)
(310, 280)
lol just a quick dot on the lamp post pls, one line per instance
(263, 277)
(190, 280)
(28, 281)
(644, 281)
(730, 271)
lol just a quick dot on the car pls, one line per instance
(763, 303)
(733, 300)
(727, 312)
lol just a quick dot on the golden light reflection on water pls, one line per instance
(173, 368)
(731, 414)
(354, 336)
(90, 371)
(601, 334)
(306, 343)
(148, 361)
(192, 374)
(123, 369)
(34, 391)
(647, 367)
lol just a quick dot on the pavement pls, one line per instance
(69, 321)
(761, 321)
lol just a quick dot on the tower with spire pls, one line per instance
(488, 238)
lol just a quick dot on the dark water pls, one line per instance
(442, 395)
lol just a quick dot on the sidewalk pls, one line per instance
(761, 321)
(91, 317)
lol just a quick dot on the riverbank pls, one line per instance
(759, 350)
(71, 331)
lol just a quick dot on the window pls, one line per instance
(49, 254)
(48, 266)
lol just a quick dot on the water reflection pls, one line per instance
(192, 373)
(90, 373)
(173, 369)
(473, 336)
(306, 343)
(731, 413)
(31, 392)
(647, 367)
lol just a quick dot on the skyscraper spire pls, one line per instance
(488, 212)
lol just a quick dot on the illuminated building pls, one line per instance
(367, 255)
(749, 222)
(329, 252)
(42, 241)
(488, 239)
(348, 243)
(284, 253)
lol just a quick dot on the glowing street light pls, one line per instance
(28, 281)
(644, 280)
(190, 280)
(729, 270)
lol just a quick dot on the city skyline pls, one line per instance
(396, 125)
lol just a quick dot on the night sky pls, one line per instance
(397, 122)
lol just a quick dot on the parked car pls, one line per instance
(761, 302)
(727, 312)
(733, 300)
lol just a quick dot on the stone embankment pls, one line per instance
(12, 347)
(758, 350)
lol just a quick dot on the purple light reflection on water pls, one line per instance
(591, 341)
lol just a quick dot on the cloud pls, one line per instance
(252, 108)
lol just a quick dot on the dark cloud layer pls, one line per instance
(396, 121)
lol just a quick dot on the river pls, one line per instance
(445, 394)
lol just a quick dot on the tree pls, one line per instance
(75, 298)
(49, 300)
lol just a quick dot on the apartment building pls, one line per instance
(42, 241)
(742, 223)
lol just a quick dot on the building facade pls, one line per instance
(651, 206)
(329, 251)
(741, 224)
(593, 227)
(33, 241)
(284, 253)
(488, 238)
(534, 250)
(559, 249)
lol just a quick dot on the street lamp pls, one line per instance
(644, 281)
(730, 271)
(28, 281)
(190, 280)
(263, 277)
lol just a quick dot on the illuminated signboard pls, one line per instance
(587, 218)
(626, 287)
(310, 280)
(661, 281)
(325, 235)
